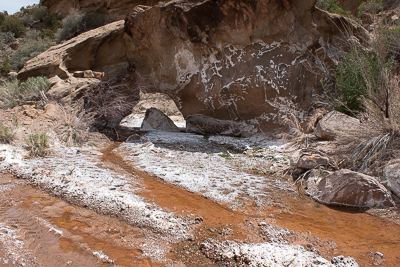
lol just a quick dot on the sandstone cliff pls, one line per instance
(238, 63)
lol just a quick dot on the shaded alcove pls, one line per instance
(159, 101)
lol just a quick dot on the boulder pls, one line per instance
(391, 173)
(352, 189)
(52, 111)
(101, 49)
(336, 124)
(308, 159)
(156, 120)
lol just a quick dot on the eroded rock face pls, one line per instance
(240, 61)
(235, 62)
(353, 189)
(114, 9)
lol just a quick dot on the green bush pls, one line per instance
(13, 25)
(5, 66)
(2, 18)
(359, 77)
(47, 33)
(12, 94)
(35, 84)
(53, 22)
(6, 136)
(37, 144)
(331, 6)
(370, 6)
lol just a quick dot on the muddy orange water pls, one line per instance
(35, 214)
(357, 234)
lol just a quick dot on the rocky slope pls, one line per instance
(115, 9)
(236, 63)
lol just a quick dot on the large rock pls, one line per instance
(113, 9)
(352, 189)
(238, 62)
(391, 173)
(231, 60)
(101, 49)
(336, 124)
(156, 120)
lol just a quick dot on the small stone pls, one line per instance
(262, 224)
(88, 74)
(78, 74)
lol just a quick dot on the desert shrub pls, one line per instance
(53, 22)
(34, 85)
(370, 6)
(47, 33)
(77, 22)
(5, 66)
(6, 38)
(31, 46)
(93, 20)
(329, 5)
(358, 77)
(71, 125)
(13, 25)
(37, 144)
(70, 25)
(8, 93)
(12, 94)
(39, 12)
(6, 135)
(33, 13)
(2, 18)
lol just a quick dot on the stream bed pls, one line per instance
(175, 199)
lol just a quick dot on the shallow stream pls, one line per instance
(38, 229)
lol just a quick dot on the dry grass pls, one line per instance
(71, 125)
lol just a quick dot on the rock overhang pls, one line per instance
(233, 61)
